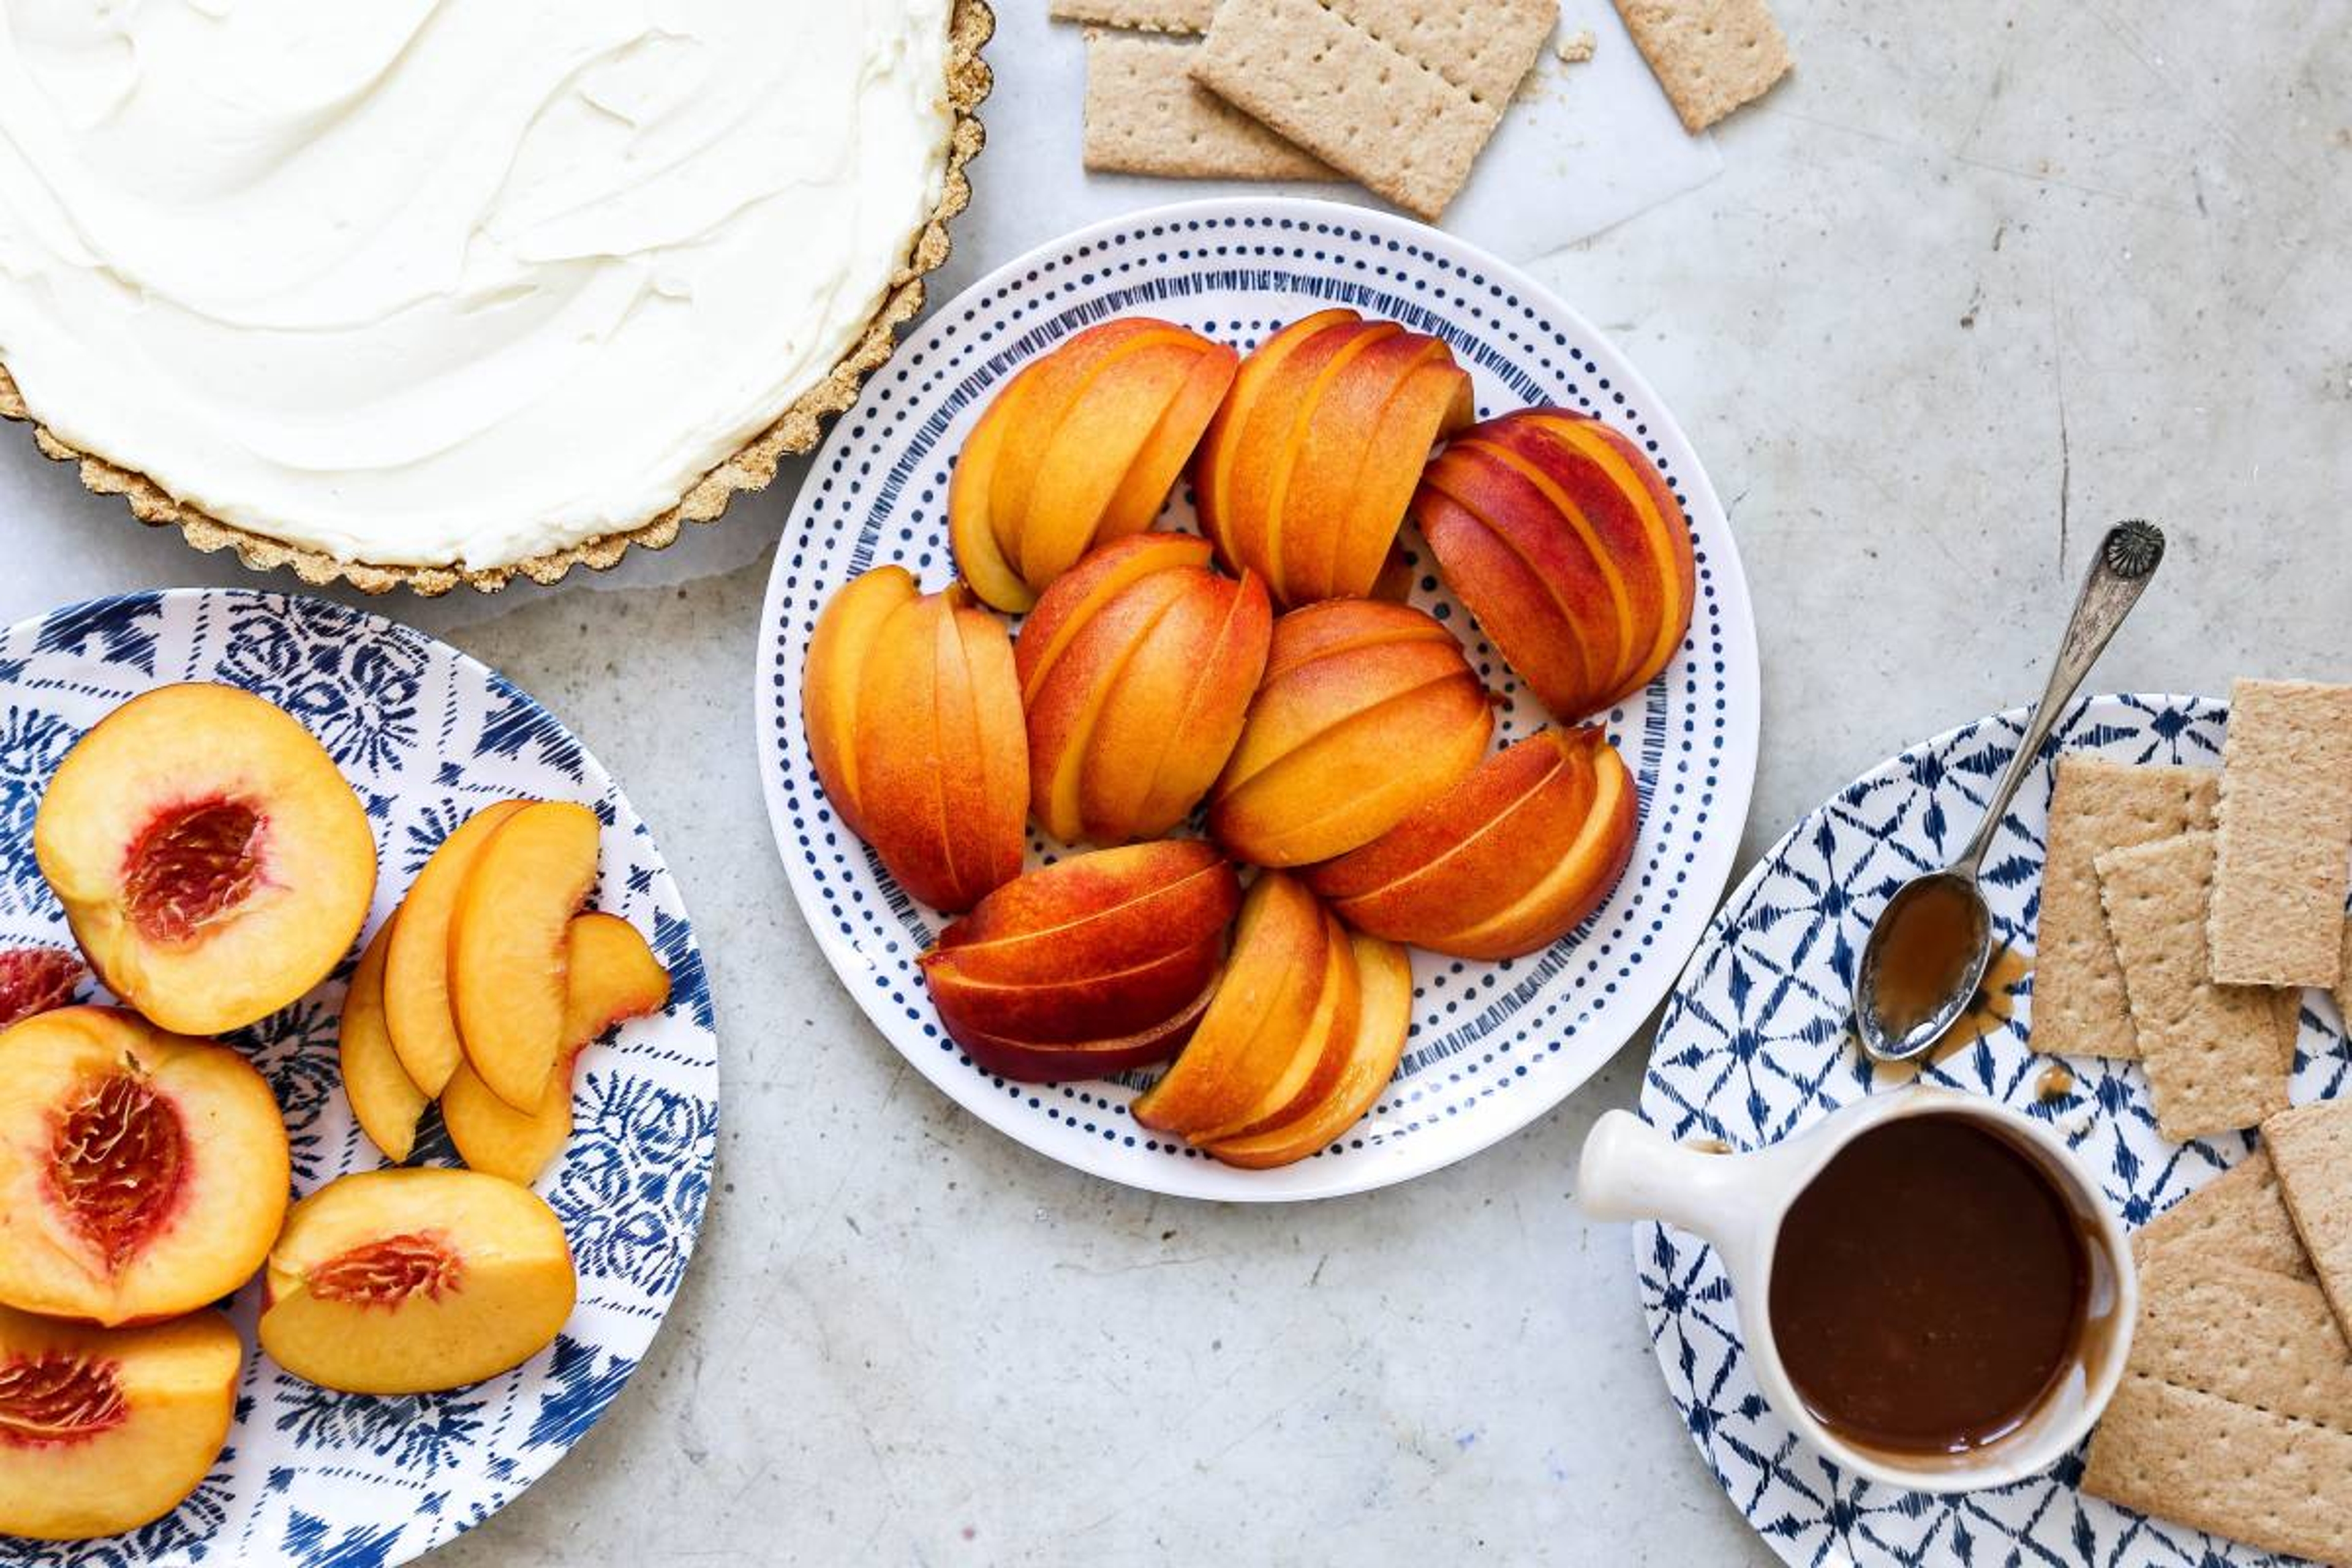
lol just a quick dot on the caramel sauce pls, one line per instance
(1931, 1287)
(2056, 1082)
(1992, 1009)
(1923, 954)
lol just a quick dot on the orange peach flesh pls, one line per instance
(1092, 449)
(508, 975)
(1325, 476)
(386, 1100)
(141, 1174)
(1064, 713)
(103, 1431)
(1383, 1019)
(419, 1013)
(415, 1280)
(1265, 1003)
(846, 630)
(1157, 465)
(1314, 1063)
(1215, 462)
(611, 976)
(213, 862)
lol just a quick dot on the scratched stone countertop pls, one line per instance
(1977, 280)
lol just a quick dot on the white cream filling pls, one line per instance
(423, 282)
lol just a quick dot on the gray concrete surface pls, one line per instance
(1978, 280)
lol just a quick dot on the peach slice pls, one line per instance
(1304, 474)
(1137, 669)
(213, 862)
(612, 975)
(417, 1007)
(1097, 963)
(141, 1174)
(1383, 1020)
(942, 759)
(1260, 1019)
(1367, 711)
(103, 1431)
(1079, 448)
(1315, 1062)
(846, 629)
(1502, 864)
(35, 980)
(508, 952)
(1559, 534)
(415, 1280)
(384, 1098)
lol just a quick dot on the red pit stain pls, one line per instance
(115, 1160)
(386, 1273)
(54, 1398)
(35, 980)
(192, 865)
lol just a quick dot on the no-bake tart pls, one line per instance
(454, 292)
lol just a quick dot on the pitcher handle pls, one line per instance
(1632, 1171)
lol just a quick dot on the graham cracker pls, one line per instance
(1711, 55)
(2344, 983)
(1401, 94)
(2235, 1414)
(1139, 15)
(2285, 835)
(2238, 1217)
(1145, 115)
(2213, 1053)
(2312, 1147)
(2096, 806)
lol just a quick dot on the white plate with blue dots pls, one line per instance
(1494, 1045)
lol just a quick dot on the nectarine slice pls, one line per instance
(1092, 449)
(1434, 403)
(611, 976)
(1157, 465)
(1265, 1003)
(1081, 592)
(1383, 1019)
(1213, 464)
(846, 629)
(415, 1280)
(384, 1098)
(508, 982)
(1028, 1061)
(1062, 712)
(419, 1013)
(1368, 710)
(1502, 864)
(942, 756)
(980, 557)
(213, 862)
(103, 1431)
(141, 1173)
(36, 979)
(1316, 1060)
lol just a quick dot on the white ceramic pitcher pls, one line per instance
(1631, 1171)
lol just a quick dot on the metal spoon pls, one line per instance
(2127, 559)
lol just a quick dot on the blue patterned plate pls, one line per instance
(1754, 1048)
(1494, 1045)
(425, 734)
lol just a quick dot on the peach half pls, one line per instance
(611, 976)
(913, 712)
(1368, 1060)
(1093, 964)
(1367, 711)
(1304, 473)
(35, 980)
(1082, 447)
(1504, 863)
(415, 1280)
(1559, 534)
(141, 1174)
(213, 862)
(507, 948)
(384, 1100)
(103, 1431)
(1136, 668)
(417, 1010)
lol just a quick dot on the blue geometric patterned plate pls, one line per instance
(1754, 1047)
(1494, 1045)
(425, 735)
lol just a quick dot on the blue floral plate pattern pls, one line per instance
(1494, 1045)
(425, 735)
(1754, 1047)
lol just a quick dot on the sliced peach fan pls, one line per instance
(213, 862)
(508, 962)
